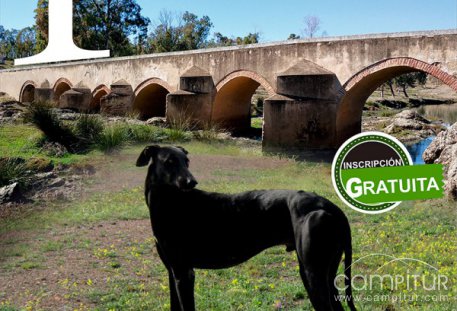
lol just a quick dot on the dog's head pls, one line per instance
(168, 166)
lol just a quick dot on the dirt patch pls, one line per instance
(59, 268)
(67, 266)
(119, 172)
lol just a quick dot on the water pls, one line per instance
(416, 150)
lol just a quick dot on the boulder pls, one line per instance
(410, 121)
(9, 193)
(157, 121)
(443, 150)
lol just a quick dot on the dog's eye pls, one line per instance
(170, 161)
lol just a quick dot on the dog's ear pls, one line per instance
(182, 149)
(146, 155)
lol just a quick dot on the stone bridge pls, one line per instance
(317, 87)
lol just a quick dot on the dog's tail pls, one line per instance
(347, 270)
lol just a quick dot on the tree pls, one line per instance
(405, 81)
(195, 31)
(221, 40)
(179, 32)
(41, 25)
(293, 36)
(410, 80)
(25, 42)
(100, 25)
(8, 42)
(312, 25)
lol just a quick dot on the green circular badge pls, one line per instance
(353, 166)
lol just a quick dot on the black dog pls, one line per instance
(197, 229)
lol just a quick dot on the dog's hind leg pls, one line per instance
(174, 299)
(184, 279)
(315, 245)
(333, 270)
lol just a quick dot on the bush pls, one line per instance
(42, 116)
(145, 133)
(89, 127)
(13, 170)
(175, 135)
(112, 137)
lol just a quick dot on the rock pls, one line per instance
(56, 183)
(442, 140)
(157, 121)
(11, 110)
(413, 124)
(54, 149)
(46, 176)
(411, 115)
(9, 193)
(443, 150)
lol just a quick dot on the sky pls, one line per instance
(275, 20)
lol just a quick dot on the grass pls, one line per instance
(113, 137)
(23, 141)
(127, 274)
(89, 126)
(257, 122)
(11, 171)
(47, 121)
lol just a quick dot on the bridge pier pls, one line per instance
(78, 98)
(194, 100)
(44, 93)
(302, 114)
(120, 101)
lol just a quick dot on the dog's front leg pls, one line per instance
(184, 279)
(174, 299)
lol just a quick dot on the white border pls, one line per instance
(339, 152)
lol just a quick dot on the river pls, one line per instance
(416, 150)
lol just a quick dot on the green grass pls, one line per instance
(257, 122)
(22, 141)
(133, 278)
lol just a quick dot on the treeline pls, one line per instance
(403, 82)
(120, 27)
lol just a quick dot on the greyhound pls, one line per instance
(204, 230)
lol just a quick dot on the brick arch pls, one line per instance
(27, 93)
(97, 94)
(232, 104)
(151, 81)
(361, 85)
(151, 98)
(246, 74)
(61, 86)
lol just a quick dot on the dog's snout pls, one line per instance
(187, 182)
(191, 182)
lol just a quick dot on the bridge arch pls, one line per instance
(360, 86)
(151, 98)
(27, 93)
(97, 94)
(61, 86)
(232, 104)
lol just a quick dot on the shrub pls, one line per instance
(182, 122)
(89, 127)
(145, 133)
(175, 135)
(13, 170)
(42, 116)
(112, 137)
